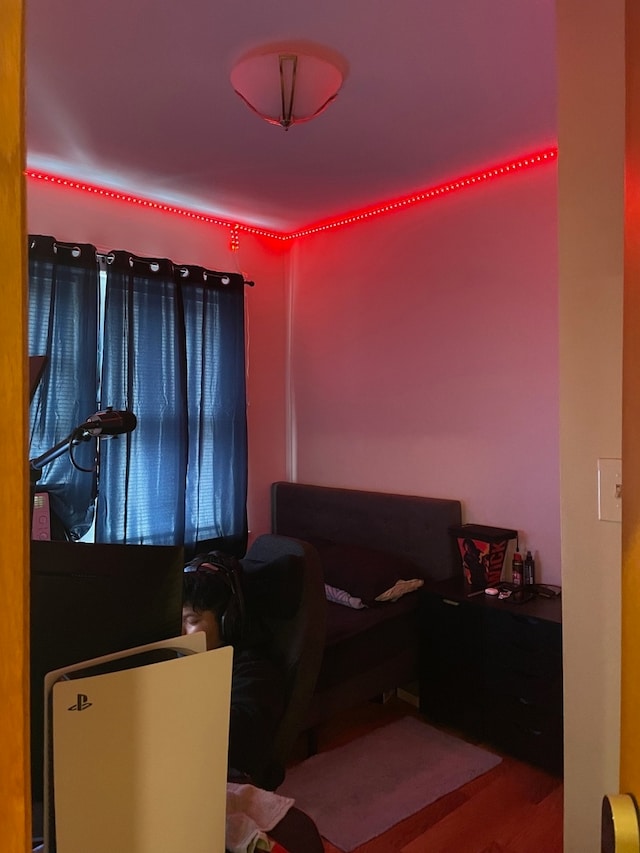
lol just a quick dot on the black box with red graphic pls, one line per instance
(482, 551)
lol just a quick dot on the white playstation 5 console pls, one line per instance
(136, 751)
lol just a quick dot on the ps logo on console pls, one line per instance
(82, 703)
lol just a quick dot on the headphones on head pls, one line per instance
(229, 569)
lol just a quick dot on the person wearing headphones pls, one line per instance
(213, 601)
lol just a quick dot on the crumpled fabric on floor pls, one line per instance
(251, 813)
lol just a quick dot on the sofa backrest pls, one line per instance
(413, 527)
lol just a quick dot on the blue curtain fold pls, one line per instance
(63, 323)
(142, 474)
(174, 355)
(213, 310)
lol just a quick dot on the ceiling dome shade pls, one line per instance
(287, 85)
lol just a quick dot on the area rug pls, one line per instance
(359, 790)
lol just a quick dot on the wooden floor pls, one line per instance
(514, 808)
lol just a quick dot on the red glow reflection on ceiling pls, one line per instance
(511, 167)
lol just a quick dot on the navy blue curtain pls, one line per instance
(63, 323)
(213, 310)
(174, 355)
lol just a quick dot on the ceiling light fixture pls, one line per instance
(288, 84)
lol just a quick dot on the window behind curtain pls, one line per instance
(173, 353)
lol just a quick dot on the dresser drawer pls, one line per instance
(525, 685)
(514, 639)
(529, 732)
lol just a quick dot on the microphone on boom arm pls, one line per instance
(108, 422)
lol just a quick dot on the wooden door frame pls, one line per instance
(630, 646)
(15, 800)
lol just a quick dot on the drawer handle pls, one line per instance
(450, 602)
(525, 620)
(529, 731)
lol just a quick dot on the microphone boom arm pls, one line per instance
(36, 465)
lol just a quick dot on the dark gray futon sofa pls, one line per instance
(366, 541)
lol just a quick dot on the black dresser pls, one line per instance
(493, 669)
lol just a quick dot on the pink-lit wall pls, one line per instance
(424, 357)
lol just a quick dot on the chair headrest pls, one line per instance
(274, 587)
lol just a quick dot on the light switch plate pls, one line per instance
(610, 489)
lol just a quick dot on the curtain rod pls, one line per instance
(103, 257)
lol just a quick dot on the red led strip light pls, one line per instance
(154, 205)
(511, 167)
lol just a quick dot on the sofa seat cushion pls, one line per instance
(355, 638)
(363, 573)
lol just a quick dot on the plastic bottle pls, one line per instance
(517, 568)
(529, 569)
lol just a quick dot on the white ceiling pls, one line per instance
(135, 95)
